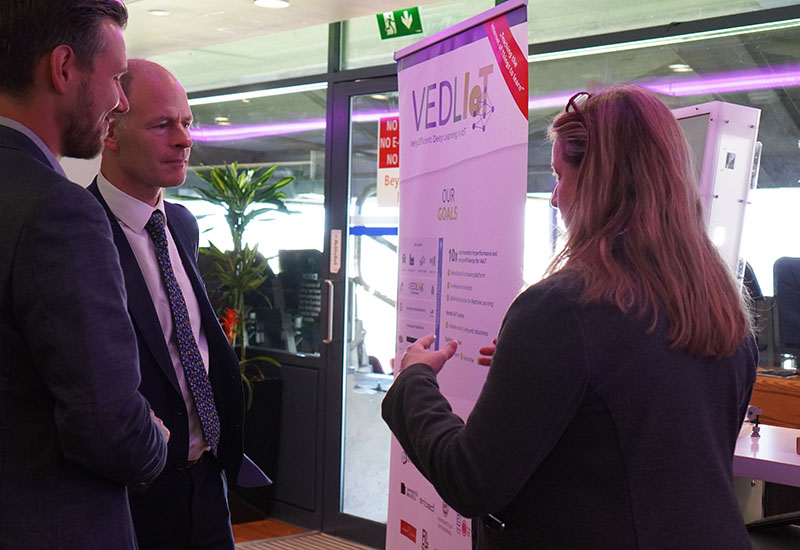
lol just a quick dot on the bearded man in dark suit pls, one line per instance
(181, 343)
(74, 431)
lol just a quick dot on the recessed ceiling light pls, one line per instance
(680, 68)
(158, 13)
(221, 119)
(272, 3)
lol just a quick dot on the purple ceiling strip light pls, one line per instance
(557, 100)
(229, 133)
(372, 116)
(248, 131)
(788, 76)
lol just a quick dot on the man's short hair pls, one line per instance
(30, 29)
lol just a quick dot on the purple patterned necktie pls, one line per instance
(192, 362)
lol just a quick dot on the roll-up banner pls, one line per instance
(463, 97)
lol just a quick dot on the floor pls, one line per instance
(306, 541)
(365, 483)
(271, 534)
(263, 529)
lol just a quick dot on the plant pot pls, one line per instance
(261, 435)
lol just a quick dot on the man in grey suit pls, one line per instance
(146, 150)
(74, 431)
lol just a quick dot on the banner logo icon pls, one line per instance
(408, 530)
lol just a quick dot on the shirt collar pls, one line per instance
(51, 158)
(128, 210)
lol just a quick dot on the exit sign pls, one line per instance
(399, 23)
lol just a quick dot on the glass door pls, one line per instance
(357, 474)
(370, 316)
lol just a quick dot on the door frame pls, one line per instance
(334, 521)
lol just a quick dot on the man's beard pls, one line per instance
(83, 136)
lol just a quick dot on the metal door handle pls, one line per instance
(329, 338)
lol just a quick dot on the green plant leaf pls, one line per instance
(245, 195)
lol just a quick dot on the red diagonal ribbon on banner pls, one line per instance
(513, 63)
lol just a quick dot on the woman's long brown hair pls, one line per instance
(635, 230)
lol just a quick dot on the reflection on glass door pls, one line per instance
(285, 131)
(370, 317)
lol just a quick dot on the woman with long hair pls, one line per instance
(619, 383)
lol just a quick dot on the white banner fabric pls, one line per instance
(464, 156)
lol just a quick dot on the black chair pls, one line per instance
(762, 308)
(786, 273)
(751, 283)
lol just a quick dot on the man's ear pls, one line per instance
(63, 69)
(111, 141)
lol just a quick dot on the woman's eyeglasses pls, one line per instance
(577, 101)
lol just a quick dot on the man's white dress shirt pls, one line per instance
(133, 215)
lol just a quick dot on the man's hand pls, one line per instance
(418, 353)
(161, 425)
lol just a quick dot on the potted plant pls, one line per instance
(245, 195)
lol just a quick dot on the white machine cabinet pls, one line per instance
(723, 139)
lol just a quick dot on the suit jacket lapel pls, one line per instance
(140, 304)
